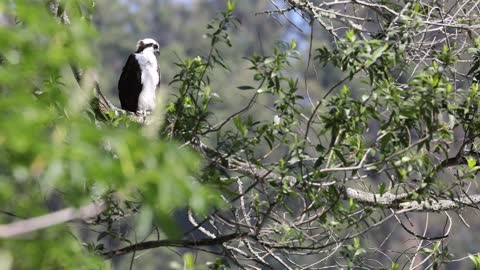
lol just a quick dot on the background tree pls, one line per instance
(356, 152)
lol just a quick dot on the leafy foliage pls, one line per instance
(55, 153)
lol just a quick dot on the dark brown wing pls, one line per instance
(159, 75)
(130, 84)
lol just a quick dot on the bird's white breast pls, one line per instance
(150, 77)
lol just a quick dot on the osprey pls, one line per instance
(140, 78)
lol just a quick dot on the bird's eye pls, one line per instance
(155, 46)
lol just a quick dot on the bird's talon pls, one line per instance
(143, 113)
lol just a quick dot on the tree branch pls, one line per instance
(34, 224)
(398, 202)
(175, 243)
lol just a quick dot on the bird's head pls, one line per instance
(148, 44)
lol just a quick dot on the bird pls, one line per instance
(140, 78)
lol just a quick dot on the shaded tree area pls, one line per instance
(291, 135)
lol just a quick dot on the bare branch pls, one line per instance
(37, 223)
(175, 243)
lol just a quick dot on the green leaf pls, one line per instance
(269, 60)
(375, 55)
(356, 242)
(319, 161)
(350, 34)
(231, 5)
(245, 87)
(167, 225)
(340, 156)
(476, 260)
(293, 44)
(471, 161)
(188, 261)
(382, 189)
(240, 125)
(351, 203)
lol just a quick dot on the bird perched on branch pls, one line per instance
(140, 78)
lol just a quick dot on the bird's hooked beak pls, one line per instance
(157, 52)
